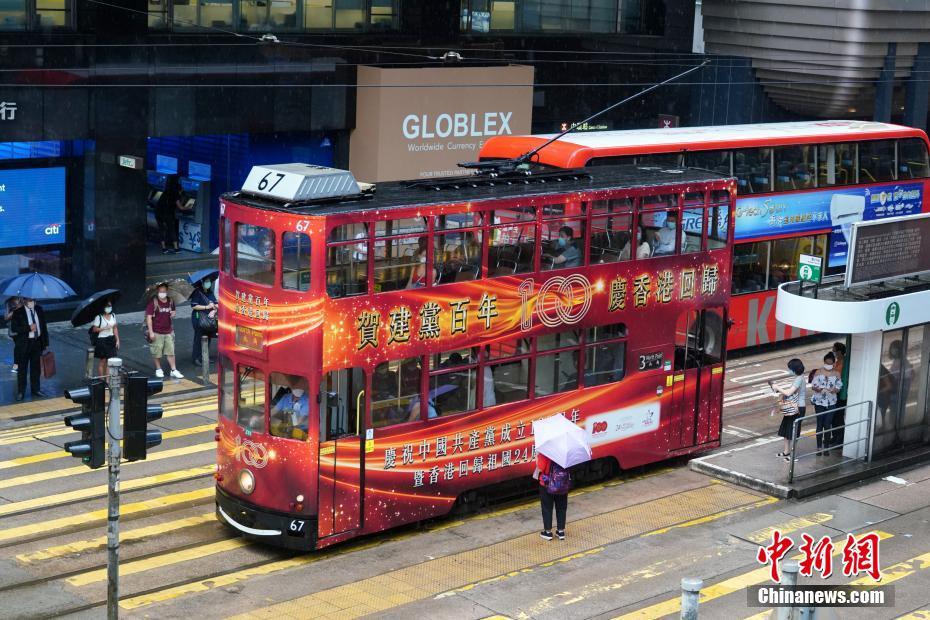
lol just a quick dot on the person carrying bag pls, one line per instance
(789, 405)
(554, 484)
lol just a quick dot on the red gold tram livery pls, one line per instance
(384, 351)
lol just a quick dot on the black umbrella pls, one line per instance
(88, 309)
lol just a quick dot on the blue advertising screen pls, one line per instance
(32, 207)
(838, 209)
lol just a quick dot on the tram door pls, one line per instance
(342, 401)
(697, 380)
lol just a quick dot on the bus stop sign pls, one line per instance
(809, 268)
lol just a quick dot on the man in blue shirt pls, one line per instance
(292, 411)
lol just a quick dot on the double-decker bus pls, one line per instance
(384, 351)
(800, 187)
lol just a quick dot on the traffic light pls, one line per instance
(137, 414)
(91, 422)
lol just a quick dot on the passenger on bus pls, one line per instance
(567, 252)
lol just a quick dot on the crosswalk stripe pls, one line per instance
(81, 546)
(717, 590)
(48, 456)
(64, 430)
(55, 474)
(100, 491)
(159, 561)
(100, 515)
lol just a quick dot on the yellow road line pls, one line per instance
(49, 456)
(792, 525)
(715, 516)
(897, 571)
(917, 614)
(158, 561)
(80, 546)
(25, 430)
(101, 490)
(52, 525)
(717, 590)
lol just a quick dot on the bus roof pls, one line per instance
(400, 194)
(576, 149)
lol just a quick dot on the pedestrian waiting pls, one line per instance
(159, 319)
(203, 317)
(789, 406)
(106, 343)
(12, 304)
(30, 333)
(826, 387)
(554, 484)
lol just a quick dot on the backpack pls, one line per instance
(558, 480)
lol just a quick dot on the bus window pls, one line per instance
(395, 392)
(610, 238)
(718, 223)
(226, 388)
(255, 254)
(342, 397)
(625, 160)
(660, 160)
(251, 391)
(660, 229)
(912, 159)
(836, 164)
(794, 168)
(512, 246)
(562, 244)
(347, 261)
(453, 382)
(226, 242)
(295, 261)
(557, 371)
(753, 170)
(457, 256)
(717, 161)
(784, 261)
(604, 354)
(750, 267)
(290, 406)
(400, 263)
(877, 161)
(692, 228)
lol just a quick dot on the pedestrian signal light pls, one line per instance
(91, 422)
(137, 414)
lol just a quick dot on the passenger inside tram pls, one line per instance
(565, 253)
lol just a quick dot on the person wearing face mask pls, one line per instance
(203, 303)
(643, 249)
(567, 253)
(665, 236)
(159, 317)
(290, 415)
(826, 385)
(418, 273)
(30, 334)
(107, 338)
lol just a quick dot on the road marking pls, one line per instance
(43, 527)
(917, 614)
(751, 433)
(729, 431)
(49, 456)
(715, 516)
(753, 377)
(498, 561)
(895, 572)
(157, 561)
(727, 586)
(25, 430)
(101, 490)
(80, 546)
(792, 525)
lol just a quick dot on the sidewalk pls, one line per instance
(70, 345)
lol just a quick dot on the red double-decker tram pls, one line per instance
(384, 351)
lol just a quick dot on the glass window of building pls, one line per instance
(35, 14)
(255, 254)
(350, 14)
(836, 164)
(877, 161)
(912, 159)
(13, 15)
(794, 168)
(645, 17)
(318, 14)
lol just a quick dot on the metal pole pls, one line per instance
(795, 431)
(114, 435)
(89, 363)
(789, 577)
(690, 593)
(205, 358)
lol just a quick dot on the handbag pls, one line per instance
(47, 362)
(209, 325)
(789, 405)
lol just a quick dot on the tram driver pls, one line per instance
(290, 409)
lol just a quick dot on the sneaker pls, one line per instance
(14, 370)
(177, 374)
(545, 535)
(160, 373)
(560, 534)
(782, 454)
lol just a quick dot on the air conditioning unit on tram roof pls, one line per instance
(300, 182)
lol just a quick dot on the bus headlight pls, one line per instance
(246, 481)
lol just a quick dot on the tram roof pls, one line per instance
(448, 190)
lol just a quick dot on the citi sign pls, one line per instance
(459, 125)
(54, 229)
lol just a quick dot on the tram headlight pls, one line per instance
(246, 481)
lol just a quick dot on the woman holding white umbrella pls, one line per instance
(559, 445)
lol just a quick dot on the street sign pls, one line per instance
(129, 161)
(809, 268)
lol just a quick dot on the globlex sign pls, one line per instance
(420, 123)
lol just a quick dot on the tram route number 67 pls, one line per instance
(296, 528)
(264, 182)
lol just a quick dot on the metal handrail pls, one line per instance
(796, 435)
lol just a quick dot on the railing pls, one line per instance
(794, 457)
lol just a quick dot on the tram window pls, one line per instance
(606, 332)
(290, 406)
(877, 161)
(556, 372)
(342, 396)
(402, 226)
(659, 229)
(400, 263)
(227, 388)
(660, 201)
(514, 214)
(718, 223)
(912, 159)
(687, 340)
(508, 348)
(453, 381)
(604, 362)
(613, 205)
(692, 228)
(561, 210)
(295, 261)
(562, 245)
(251, 393)
(753, 170)
(717, 161)
(226, 242)
(451, 221)
(750, 267)
(457, 256)
(510, 381)
(395, 392)
(720, 197)
(610, 238)
(255, 254)
(712, 336)
(511, 249)
(347, 269)
(794, 168)
(836, 164)
(348, 232)
(558, 340)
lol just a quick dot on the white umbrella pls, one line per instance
(560, 440)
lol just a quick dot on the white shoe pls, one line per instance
(177, 374)
(160, 373)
